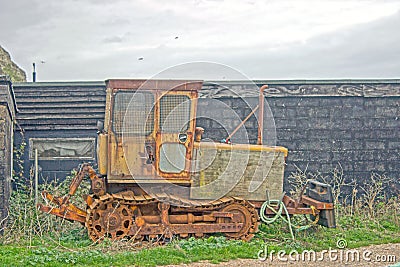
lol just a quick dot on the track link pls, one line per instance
(124, 215)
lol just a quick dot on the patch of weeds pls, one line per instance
(44, 240)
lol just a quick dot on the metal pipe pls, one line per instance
(241, 124)
(36, 177)
(179, 219)
(261, 114)
(34, 72)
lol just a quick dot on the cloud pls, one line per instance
(265, 39)
(113, 39)
(362, 51)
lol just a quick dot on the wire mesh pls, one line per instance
(174, 113)
(133, 113)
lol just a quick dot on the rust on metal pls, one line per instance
(261, 115)
(165, 85)
(317, 204)
(241, 124)
(236, 218)
(66, 209)
(69, 213)
(119, 208)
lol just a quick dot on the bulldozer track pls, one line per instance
(124, 215)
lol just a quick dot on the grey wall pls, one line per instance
(354, 124)
(7, 115)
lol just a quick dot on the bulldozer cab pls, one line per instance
(149, 131)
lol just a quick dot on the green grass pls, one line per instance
(213, 249)
(74, 248)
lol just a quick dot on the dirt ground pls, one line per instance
(376, 255)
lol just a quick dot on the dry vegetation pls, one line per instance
(365, 215)
(369, 199)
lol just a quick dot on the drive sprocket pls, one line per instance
(108, 217)
(245, 213)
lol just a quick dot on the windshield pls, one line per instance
(133, 113)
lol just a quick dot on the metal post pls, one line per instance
(36, 177)
(261, 115)
(241, 124)
(34, 72)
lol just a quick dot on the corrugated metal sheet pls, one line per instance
(60, 106)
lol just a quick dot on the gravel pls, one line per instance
(375, 255)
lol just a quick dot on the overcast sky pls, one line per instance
(271, 39)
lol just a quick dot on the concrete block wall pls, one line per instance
(360, 133)
(7, 115)
(5, 164)
(352, 122)
(323, 127)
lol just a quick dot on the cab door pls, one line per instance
(175, 134)
(132, 136)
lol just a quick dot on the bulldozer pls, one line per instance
(156, 177)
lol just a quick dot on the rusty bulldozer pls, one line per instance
(156, 177)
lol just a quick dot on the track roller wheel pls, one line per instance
(109, 218)
(244, 213)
